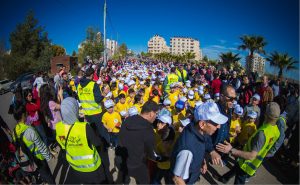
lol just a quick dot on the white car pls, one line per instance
(5, 86)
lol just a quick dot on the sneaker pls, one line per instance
(247, 179)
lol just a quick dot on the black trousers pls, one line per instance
(44, 171)
(140, 174)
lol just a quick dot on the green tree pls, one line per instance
(188, 56)
(253, 44)
(282, 61)
(93, 45)
(58, 50)
(30, 48)
(74, 54)
(229, 59)
(123, 50)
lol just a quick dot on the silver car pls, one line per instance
(5, 86)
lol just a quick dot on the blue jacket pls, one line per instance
(222, 133)
(191, 140)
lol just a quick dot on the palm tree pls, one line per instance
(282, 61)
(229, 59)
(253, 44)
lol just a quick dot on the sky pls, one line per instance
(218, 24)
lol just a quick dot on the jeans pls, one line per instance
(114, 139)
(41, 131)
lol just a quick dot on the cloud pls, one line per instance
(213, 51)
(222, 41)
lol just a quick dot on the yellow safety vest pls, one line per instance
(87, 99)
(172, 78)
(271, 133)
(78, 153)
(184, 77)
(20, 129)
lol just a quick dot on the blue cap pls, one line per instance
(180, 104)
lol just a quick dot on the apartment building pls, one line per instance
(257, 64)
(157, 44)
(181, 45)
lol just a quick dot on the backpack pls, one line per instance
(23, 154)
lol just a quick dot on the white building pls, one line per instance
(257, 64)
(157, 44)
(111, 47)
(181, 45)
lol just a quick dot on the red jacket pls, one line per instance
(31, 109)
(216, 85)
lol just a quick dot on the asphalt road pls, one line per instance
(263, 176)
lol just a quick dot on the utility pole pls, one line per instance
(104, 33)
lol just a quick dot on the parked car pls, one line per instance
(25, 80)
(5, 86)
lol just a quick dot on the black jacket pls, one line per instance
(136, 141)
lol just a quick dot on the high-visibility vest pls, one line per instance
(87, 99)
(184, 77)
(271, 133)
(172, 78)
(78, 153)
(20, 129)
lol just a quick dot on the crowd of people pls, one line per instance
(164, 121)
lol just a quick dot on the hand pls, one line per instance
(215, 158)
(224, 148)
(106, 90)
(204, 167)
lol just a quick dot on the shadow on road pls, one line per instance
(284, 173)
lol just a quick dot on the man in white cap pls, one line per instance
(256, 149)
(187, 161)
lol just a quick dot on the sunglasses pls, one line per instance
(230, 99)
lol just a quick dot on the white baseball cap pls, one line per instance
(99, 81)
(123, 113)
(238, 110)
(109, 95)
(108, 104)
(183, 98)
(256, 96)
(184, 90)
(210, 111)
(167, 102)
(165, 119)
(185, 122)
(188, 85)
(191, 94)
(131, 82)
(172, 85)
(207, 96)
(198, 103)
(142, 82)
(133, 111)
(252, 114)
(121, 86)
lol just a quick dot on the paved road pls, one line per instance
(263, 176)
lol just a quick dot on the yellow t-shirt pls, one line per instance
(139, 107)
(112, 121)
(192, 103)
(121, 107)
(248, 128)
(173, 97)
(177, 117)
(72, 85)
(129, 101)
(233, 125)
(156, 99)
(115, 93)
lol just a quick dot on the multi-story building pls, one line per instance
(257, 64)
(111, 47)
(157, 44)
(181, 45)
